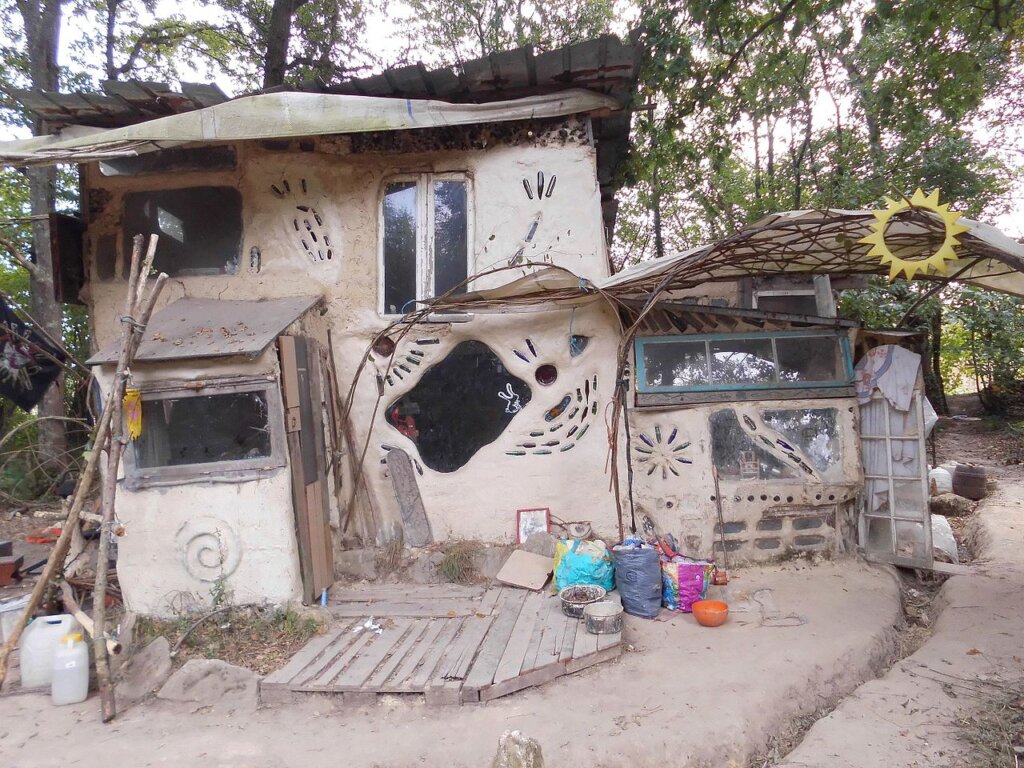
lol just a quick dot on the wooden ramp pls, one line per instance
(451, 644)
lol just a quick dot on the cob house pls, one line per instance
(400, 288)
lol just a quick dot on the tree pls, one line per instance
(455, 31)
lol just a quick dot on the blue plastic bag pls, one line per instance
(583, 562)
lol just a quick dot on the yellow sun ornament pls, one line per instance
(910, 267)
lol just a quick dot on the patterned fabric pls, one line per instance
(26, 370)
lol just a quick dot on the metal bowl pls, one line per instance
(603, 618)
(576, 597)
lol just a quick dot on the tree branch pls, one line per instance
(15, 253)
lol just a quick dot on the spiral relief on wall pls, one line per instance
(209, 548)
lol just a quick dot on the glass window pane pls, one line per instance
(399, 246)
(200, 228)
(675, 364)
(450, 236)
(809, 358)
(879, 535)
(814, 431)
(798, 305)
(906, 458)
(742, 361)
(877, 497)
(903, 423)
(203, 429)
(738, 457)
(910, 540)
(875, 462)
(910, 498)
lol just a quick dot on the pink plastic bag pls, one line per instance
(684, 582)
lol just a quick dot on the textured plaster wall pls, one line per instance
(180, 539)
(344, 189)
(685, 504)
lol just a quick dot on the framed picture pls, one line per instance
(532, 521)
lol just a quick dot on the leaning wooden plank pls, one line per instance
(398, 655)
(426, 609)
(534, 677)
(511, 663)
(505, 615)
(407, 492)
(365, 664)
(307, 654)
(430, 661)
(576, 664)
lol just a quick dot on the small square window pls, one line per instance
(189, 435)
(424, 240)
(200, 228)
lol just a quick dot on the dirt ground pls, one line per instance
(681, 696)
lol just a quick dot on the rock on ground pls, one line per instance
(517, 751)
(213, 683)
(950, 505)
(146, 671)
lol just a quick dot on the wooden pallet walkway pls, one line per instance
(450, 644)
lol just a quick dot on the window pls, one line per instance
(200, 228)
(425, 239)
(213, 431)
(460, 405)
(744, 361)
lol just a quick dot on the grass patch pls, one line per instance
(458, 565)
(995, 730)
(260, 639)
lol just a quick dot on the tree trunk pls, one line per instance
(41, 20)
(278, 36)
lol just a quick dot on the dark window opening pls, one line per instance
(460, 405)
(203, 429)
(200, 228)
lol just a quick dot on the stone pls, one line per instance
(424, 568)
(488, 560)
(356, 564)
(145, 671)
(213, 683)
(950, 505)
(541, 543)
(517, 751)
(943, 543)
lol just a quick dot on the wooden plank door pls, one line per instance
(307, 451)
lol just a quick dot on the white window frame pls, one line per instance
(424, 232)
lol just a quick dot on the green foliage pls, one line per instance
(453, 31)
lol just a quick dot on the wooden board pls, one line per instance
(407, 492)
(526, 570)
(404, 592)
(509, 639)
(426, 608)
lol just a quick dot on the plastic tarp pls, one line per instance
(283, 115)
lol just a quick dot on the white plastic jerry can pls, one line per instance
(38, 643)
(70, 671)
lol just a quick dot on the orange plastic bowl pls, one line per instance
(710, 613)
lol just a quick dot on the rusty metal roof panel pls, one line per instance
(201, 328)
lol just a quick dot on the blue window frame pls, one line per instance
(772, 360)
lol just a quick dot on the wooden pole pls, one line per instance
(138, 308)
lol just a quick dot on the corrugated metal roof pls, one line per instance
(197, 328)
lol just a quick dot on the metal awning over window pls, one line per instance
(192, 328)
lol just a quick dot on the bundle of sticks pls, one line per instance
(107, 436)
